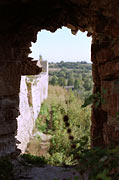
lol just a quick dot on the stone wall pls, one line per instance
(33, 91)
(105, 69)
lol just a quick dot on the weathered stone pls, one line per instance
(107, 132)
(116, 49)
(95, 74)
(109, 70)
(104, 55)
(80, 2)
(99, 117)
(94, 49)
(113, 121)
(111, 96)
(33, 91)
(114, 32)
(111, 136)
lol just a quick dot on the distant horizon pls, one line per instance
(67, 61)
(62, 46)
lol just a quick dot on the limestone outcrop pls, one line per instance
(33, 91)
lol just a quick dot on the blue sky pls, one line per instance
(62, 46)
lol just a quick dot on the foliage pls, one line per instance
(54, 80)
(60, 103)
(95, 98)
(76, 74)
(100, 163)
(70, 65)
(70, 129)
(36, 160)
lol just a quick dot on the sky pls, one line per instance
(62, 46)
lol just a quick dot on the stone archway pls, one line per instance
(20, 22)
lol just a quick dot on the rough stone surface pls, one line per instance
(28, 171)
(106, 82)
(51, 173)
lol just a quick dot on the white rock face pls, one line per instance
(33, 91)
(39, 92)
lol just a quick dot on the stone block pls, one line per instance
(104, 54)
(114, 121)
(114, 32)
(7, 144)
(107, 132)
(111, 96)
(111, 136)
(95, 74)
(81, 2)
(7, 127)
(94, 50)
(109, 70)
(116, 49)
(99, 117)
(99, 4)
(9, 78)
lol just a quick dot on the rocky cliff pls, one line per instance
(33, 91)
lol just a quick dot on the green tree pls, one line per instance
(76, 84)
(62, 73)
(70, 80)
(62, 81)
(87, 84)
(54, 80)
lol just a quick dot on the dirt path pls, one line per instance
(39, 144)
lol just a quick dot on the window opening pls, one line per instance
(62, 121)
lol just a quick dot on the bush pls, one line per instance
(36, 160)
(100, 163)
